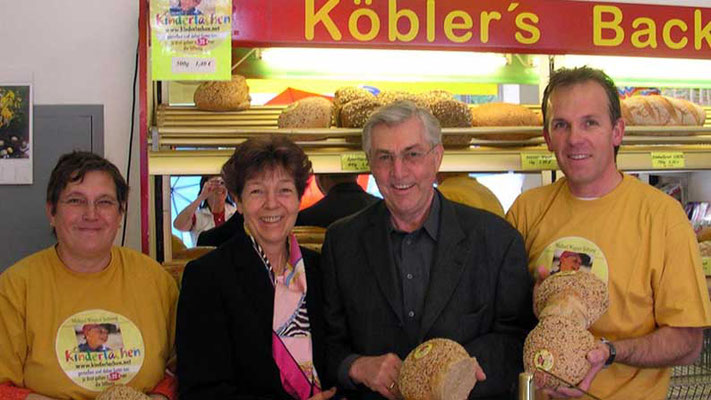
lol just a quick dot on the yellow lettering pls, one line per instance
(486, 17)
(394, 16)
(599, 25)
(430, 20)
(650, 33)
(666, 33)
(527, 23)
(374, 25)
(321, 16)
(450, 26)
(701, 33)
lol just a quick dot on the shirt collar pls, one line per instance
(431, 225)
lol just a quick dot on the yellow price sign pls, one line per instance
(706, 263)
(667, 160)
(538, 161)
(356, 162)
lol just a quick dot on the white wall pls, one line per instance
(80, 52)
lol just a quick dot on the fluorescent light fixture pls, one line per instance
(382, 64)
(641, 68)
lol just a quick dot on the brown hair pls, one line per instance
(72, 167)
(567, 77)
(266, 152)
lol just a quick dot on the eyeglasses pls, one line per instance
(81, 203)
(412, 157)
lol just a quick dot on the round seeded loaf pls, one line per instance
(311, 112)
(560, 346)
(121, 392)
(438, 369)
(356, 113)
(452, 113)
(223, 95)
(391, 96)
(587, 295)
(345, 95)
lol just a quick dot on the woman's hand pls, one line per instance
(324, 395)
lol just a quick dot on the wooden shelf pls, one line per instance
(186, 141)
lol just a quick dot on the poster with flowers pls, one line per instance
(15, 134)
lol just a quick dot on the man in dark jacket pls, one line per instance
(343, 197)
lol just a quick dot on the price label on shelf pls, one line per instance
(540, 161)
(668, 160)
(356, 162)
(706, 262)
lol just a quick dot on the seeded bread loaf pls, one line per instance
(311, 112)
(121, 392)
(230, 95)
(355, 114)
(390, 96)
(452, 113)
(560, 346)
(345, 95)
(661, 110)
(438, 369)
(579, 295)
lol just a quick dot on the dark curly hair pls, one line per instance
(266, 152)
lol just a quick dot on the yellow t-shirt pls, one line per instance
(468, 191)
(51, 320)
(637, 239)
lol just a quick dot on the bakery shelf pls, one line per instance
(206, 139)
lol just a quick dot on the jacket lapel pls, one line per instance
(450, 257)
(377, 250)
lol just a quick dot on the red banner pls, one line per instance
(528, 26)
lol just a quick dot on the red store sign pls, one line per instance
(528, 26)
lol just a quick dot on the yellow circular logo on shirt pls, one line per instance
(573, 253)
(543, 359)
(99, 348)
(423, 350)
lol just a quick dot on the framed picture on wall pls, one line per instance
(15, 133)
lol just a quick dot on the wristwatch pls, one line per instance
(613, 352)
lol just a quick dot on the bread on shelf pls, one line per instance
(232, 95)
(662, 111)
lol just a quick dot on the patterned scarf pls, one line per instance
(291, 330)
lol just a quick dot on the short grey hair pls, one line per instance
(398, 112)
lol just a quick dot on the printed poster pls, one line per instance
(99, 348)
(16, 129)
(191, 39)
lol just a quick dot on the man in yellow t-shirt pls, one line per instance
(461, 188)
(629, 234)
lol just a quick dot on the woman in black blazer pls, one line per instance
(249, 320)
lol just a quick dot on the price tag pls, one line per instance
(181, 65)
(706, 262)
(540, 161)
(354, 162)
(668, 160)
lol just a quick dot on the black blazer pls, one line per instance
(220, 234)
(479, 293)
(341, 201)
(224, 325)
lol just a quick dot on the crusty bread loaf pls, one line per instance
(390, 96)
(310, 112)
(559, 346)
(223, 95)
(438, 369)
(452, 113)
(355, 114)
(121, 392)
(504, 114)
(661, 110)
(572, 294)
(345, 95)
